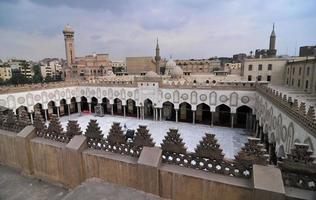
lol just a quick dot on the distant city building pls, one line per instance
(86, 66)
(138, 65)
(5, 73)
(300, 73)
(199, 66)
(118, 67)
(238, 58)
(51, 67)
(307, 51)
(264, 69)
(233, 68)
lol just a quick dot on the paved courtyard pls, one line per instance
(230, 140)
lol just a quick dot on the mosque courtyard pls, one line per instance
(231, 140)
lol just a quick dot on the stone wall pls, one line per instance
(71, 163)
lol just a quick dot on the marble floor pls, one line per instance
(230, 140)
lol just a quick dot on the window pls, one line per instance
(293, 70)
(306, 84)
(260, 67)
(259, 78)
(268, 78)
(270, 67)
(298, 83)
(300, 71)
(288, 70)
(307, 71)
(250, 68)
(249, 78)
(292, 82)
(287, 81)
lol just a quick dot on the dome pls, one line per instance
(176, 72)
(151, 74)
(171, 64)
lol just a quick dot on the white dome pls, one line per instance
(171, 64)
(176, 72)
(151, 74)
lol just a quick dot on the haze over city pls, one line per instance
(32, 29)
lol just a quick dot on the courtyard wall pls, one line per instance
(70, 164)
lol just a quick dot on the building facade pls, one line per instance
(300, 74)
(5, 73)
(264, 69)
(199, 66)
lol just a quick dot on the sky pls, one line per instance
(32, 29)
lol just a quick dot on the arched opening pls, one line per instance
(169, 113)
(106, 105)
(94, 103)
(131, 109)
(51, 109)
(63, 109)
(148, 109)
(203, 114)
(18, 110)
(185, 112)
(84, 104)
(222, 116)
(117, 107)
(243, 117)
(39, 108)
(73, 105)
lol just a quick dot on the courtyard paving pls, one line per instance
(230, 139)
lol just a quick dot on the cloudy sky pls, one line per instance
(32, 29)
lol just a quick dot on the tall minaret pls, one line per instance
(272, 51)
(69, 45)
(157, 58)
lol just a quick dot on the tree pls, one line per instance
(18, 78)
(37, 78)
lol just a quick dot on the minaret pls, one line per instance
(157, 58)
(272, 51)
(69, 45)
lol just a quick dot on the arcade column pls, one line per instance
(57, 108)
(193, 116)
(45, 113)
(177, 110)
(79, 107)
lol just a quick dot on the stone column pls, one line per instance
(232, 121)
(124, 110)
(45, 112)
(68, 107)
(137, 109)
(112, 110)
(193, 117)
(154, 114)
(160, 114)
(177, 115)
(31, 115)
(89, 107)
(57, 111)
(79, 107)
(212, 119)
